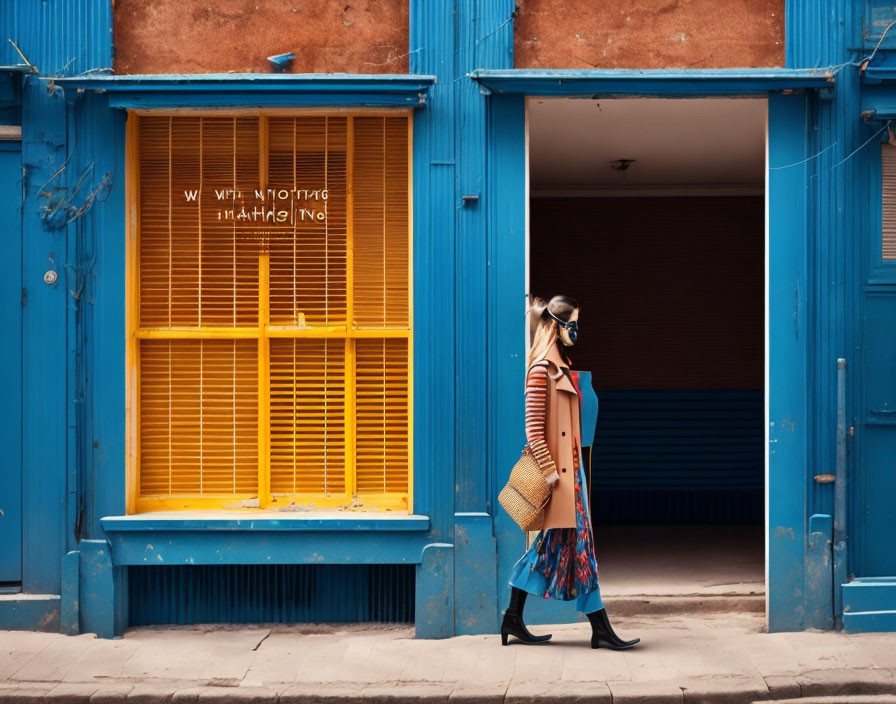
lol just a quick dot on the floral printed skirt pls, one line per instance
(561, 562)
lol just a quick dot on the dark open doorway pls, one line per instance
(651, 213)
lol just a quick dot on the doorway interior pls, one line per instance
(651, 212)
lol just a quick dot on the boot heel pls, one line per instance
(512, 623)
(602, 630)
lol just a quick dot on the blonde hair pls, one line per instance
(543, 330)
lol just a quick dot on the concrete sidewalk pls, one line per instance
(682, 658)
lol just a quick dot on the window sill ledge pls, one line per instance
(263, 521)
(266, 537)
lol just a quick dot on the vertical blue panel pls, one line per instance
(506, 187)
(432, 43)
(838, 222)
(506, 174)
(69, 602)
(434, 592)
(484, 38)
(100, 138)
(844, 221)
(59, 37)
(819, 572)
(74, 366)
(879, 434)
(9, 20)
(474, 574)
(102, 592)
(11, 362)
(877, 15)
(44, 344)
(787, 362)
(506, 251)
(470, 270)
(432, 52)
(872, 523)
(814, 41)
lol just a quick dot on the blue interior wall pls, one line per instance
(679, 456)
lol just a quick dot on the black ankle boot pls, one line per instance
(513, 625)
(602, 634)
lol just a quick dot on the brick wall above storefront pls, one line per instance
(649, 34)
(193, 36)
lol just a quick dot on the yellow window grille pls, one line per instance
(308, 425)
(199, 417)
(380, 420)
(269, 309)
(308, 260)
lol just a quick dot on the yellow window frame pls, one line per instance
(263, 333)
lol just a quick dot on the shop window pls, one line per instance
(269, 310)
(888, 201)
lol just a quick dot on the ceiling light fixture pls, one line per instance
(621, 164)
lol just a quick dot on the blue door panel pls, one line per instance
(879, 481)
(11, 363)
(880, 515)
(880, 357)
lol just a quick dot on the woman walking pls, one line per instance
(560, 563)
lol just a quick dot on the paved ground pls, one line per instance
(715, 657)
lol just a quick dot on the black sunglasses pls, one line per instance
(571, 325)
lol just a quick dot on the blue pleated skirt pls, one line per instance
(561, 562)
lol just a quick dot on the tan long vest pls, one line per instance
(562, 434)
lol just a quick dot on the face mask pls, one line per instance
(572, 327)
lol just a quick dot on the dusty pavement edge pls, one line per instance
(839, 684)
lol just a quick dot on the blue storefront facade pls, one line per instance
(77, 558)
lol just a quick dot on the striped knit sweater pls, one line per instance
(536, 417)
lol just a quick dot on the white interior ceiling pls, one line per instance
(696, 146)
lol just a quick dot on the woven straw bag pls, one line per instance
(526, 493)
